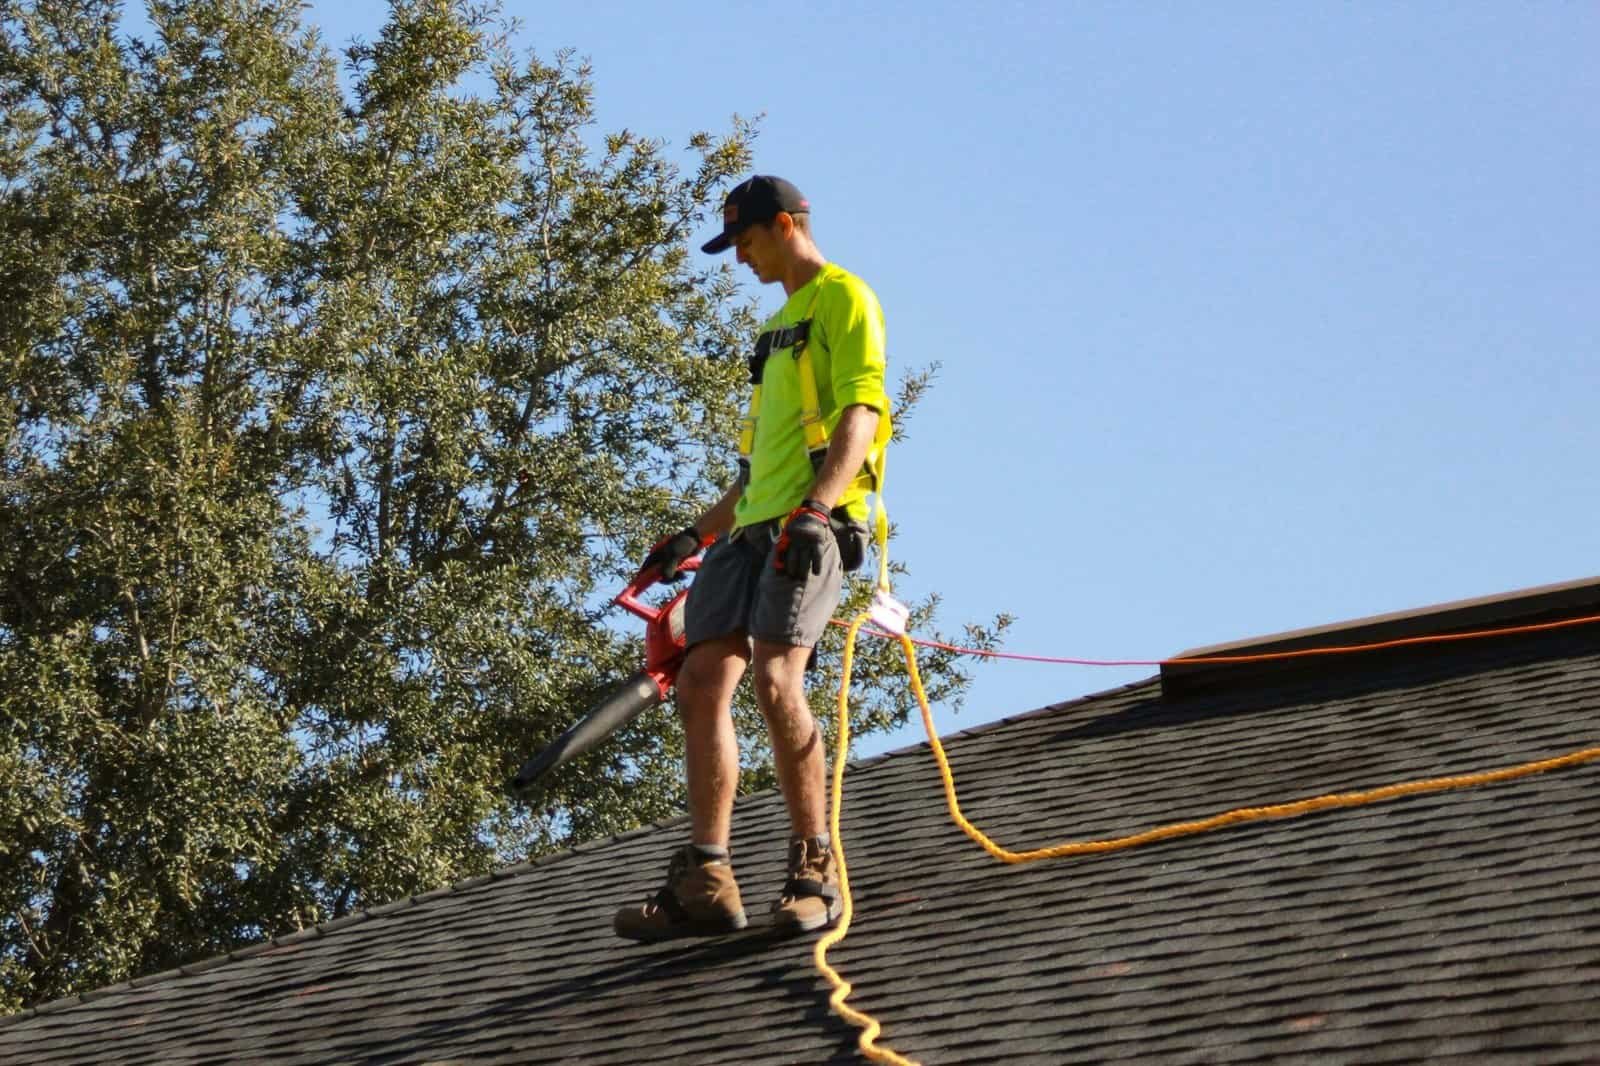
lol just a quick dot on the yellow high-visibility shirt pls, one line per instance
(846, 348)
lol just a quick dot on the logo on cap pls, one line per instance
(730, 214)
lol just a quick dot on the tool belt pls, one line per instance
(852, 535)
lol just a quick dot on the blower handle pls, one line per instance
(629, 600)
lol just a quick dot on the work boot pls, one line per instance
(810, 898)
(700, 898)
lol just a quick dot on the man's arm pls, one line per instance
(718, 518)
(847, 450)
(800, 546)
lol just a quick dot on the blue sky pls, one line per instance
(1251, 316)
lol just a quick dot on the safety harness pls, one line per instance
(797, 339)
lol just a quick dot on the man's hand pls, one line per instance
(670, 553)
(799, 548)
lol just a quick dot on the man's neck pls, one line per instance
(801, 269)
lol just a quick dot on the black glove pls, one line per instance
(799, 548)
(670, 552)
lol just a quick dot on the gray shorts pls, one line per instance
(737, 591)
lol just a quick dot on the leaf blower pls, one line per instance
(664, 648)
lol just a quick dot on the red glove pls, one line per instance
(799, 548)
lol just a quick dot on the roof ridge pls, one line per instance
(584, 847)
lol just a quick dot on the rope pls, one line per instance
(1258, 657)
(867, 1041)
(1234, 817)
(870, 1028)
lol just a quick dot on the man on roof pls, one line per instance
(779, 541)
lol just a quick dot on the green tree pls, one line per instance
(332, 418)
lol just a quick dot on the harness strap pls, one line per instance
(793, 336)
(811, 424)
(784, 337)
(747, 429)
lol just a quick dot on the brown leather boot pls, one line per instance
(700, 898)
(810, 898)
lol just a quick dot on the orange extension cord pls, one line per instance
(842, 988)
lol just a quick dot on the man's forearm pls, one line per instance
(847, 450)
(718, 518)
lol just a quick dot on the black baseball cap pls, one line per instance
(757, 199)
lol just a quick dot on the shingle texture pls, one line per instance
(1459, 926)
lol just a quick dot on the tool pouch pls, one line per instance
(853, 537)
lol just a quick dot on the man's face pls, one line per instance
(759, 248)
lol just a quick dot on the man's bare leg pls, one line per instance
(701, 897)
(797, 746)
(706, 682)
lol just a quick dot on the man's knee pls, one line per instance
(779, 680)
(709, 674)
(780, 676)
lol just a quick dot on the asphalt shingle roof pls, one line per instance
(1459, 926)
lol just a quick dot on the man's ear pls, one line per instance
(785, 224)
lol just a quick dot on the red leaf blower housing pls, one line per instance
(664, 648)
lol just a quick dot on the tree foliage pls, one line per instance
(332, 417)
